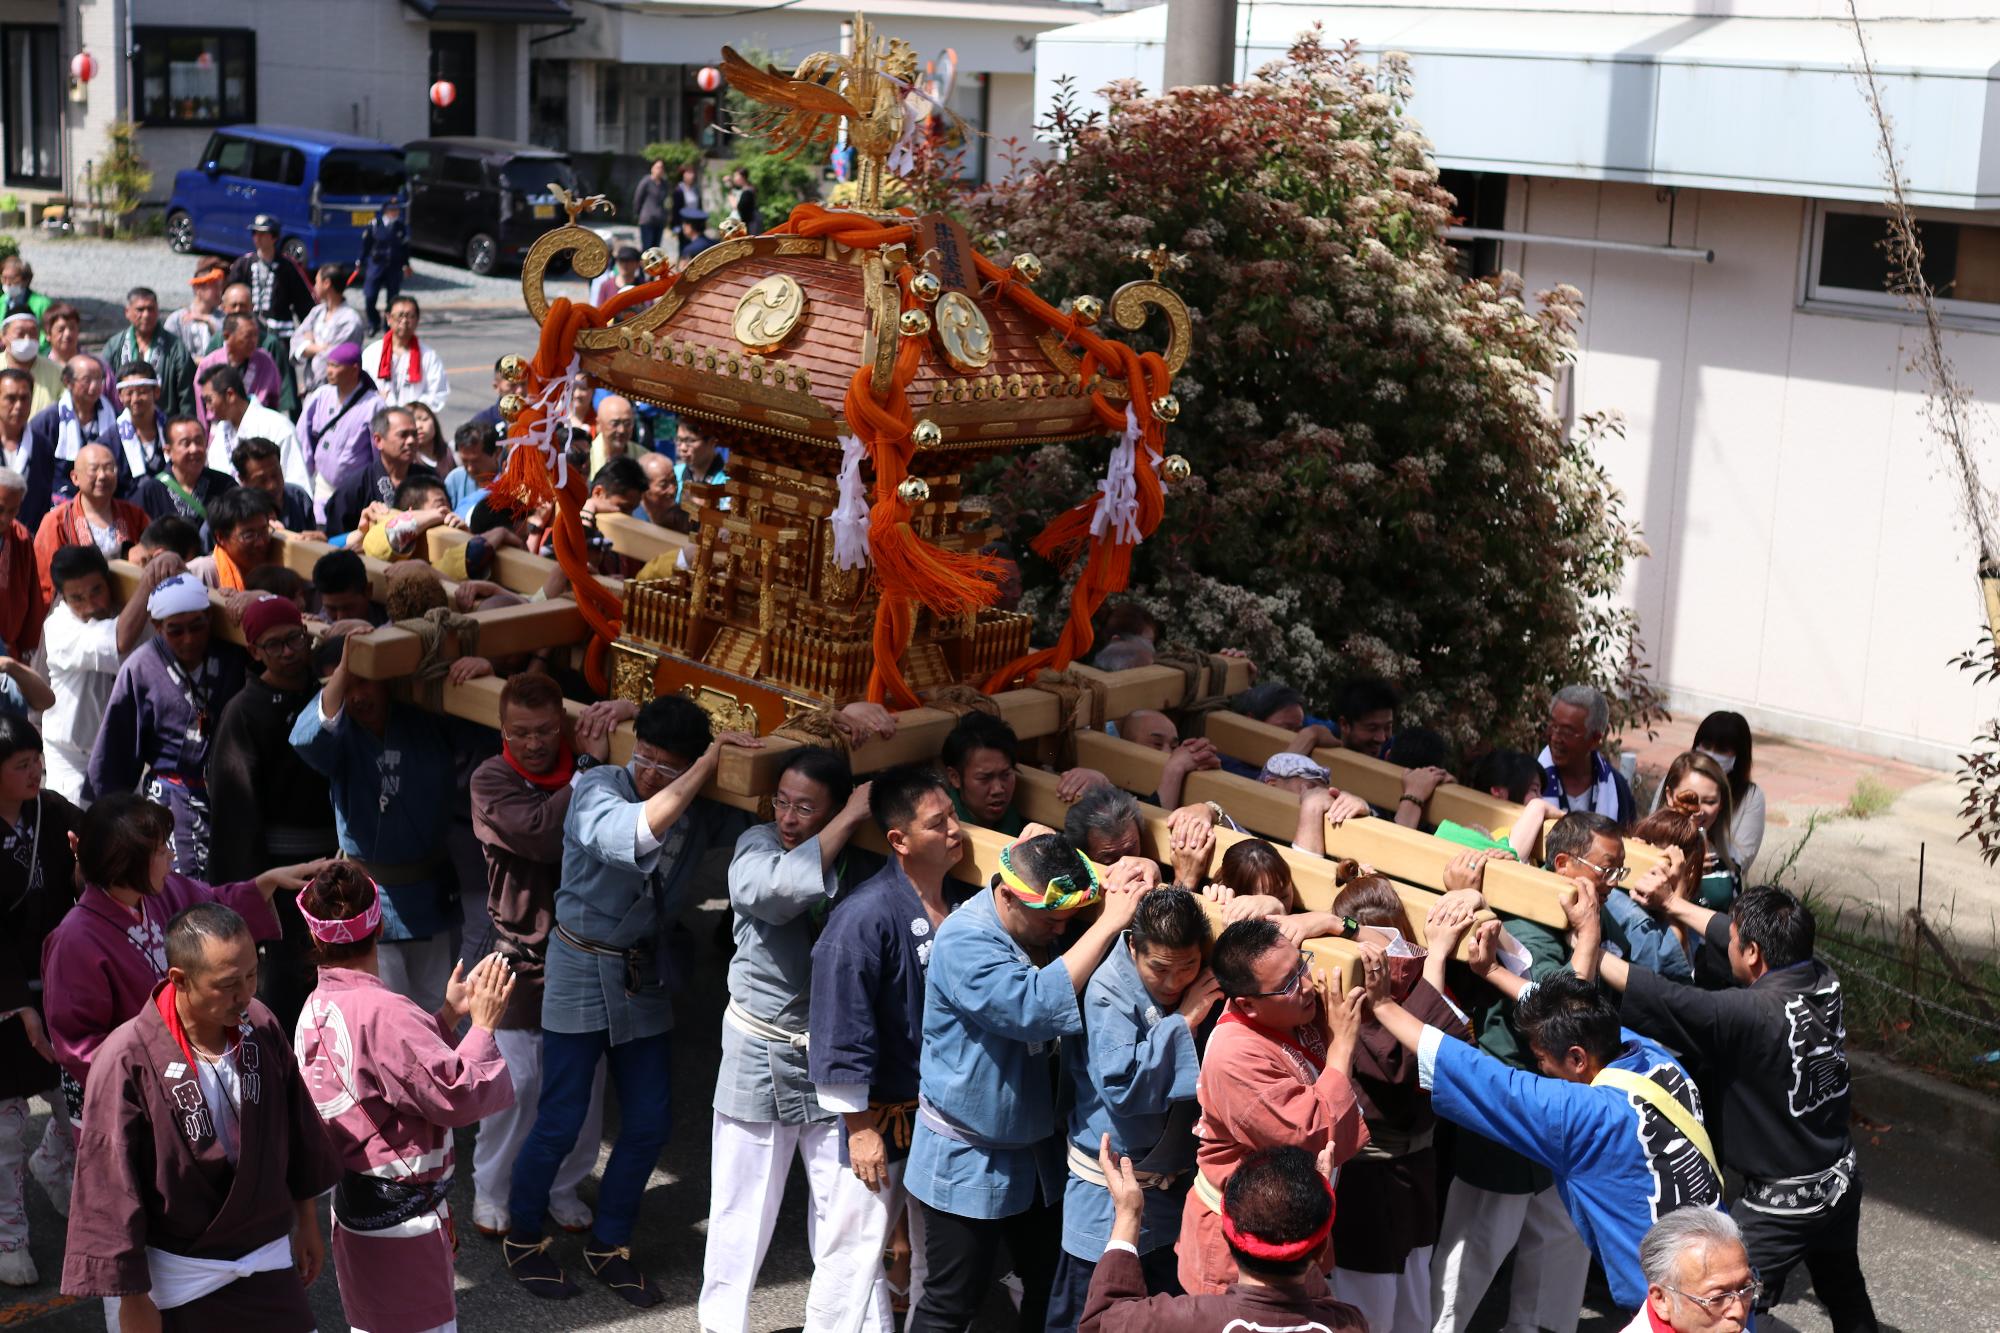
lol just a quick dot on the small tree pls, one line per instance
(782, 181)
(678, 154)
(1380, 487)
(119, 181)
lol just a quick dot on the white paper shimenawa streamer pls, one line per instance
(1118, 507)
(850, 516)
(542, 437)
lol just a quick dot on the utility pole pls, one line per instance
(1201, 43)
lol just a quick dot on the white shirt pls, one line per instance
(83, 660)
(259, 423)
(222, 1089)
(431, 390)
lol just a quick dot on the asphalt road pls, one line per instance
(1930, 1226)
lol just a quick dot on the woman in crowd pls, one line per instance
(1650, 940)
(392, 1082)
(37, 872)
(1697, 787)
(433, 449)
(1386, 1215)
(1254, 881)
(1725, 738)
(105, 958)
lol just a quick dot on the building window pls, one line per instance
(32, 80)
(195, 76)
(1482, 204)
(1848, 268)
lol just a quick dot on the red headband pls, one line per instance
(1272, 1252)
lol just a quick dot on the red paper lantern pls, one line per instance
(444, 92)
(708, 78)
(84, 66)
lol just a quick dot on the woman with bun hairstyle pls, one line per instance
(392, 1082)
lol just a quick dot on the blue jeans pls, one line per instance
(641, 1076)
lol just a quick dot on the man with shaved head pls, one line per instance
(617, 432)
(661, 488)
(58, 433)
(1156, 731)
(94, 516)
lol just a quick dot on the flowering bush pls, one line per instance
(1379, 485)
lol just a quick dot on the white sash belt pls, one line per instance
(752, 1026)
(179, 1279)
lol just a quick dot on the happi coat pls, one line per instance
(1118, 1303)
(157, 1185)
(1132, 1075)
(778, 899)
(520, 829)
(622, 888)
(101, 963)
(391, 797)
(1620, 1164)
(987, 1131)
(1259, 1089)
(35, 894)
(392, 1082)
(869, 971)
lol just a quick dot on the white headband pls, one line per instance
(134, 382)
(176, 597)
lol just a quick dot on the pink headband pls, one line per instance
(347, 930)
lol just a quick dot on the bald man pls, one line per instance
(94, 516)
(661, 487)
(617, 433)
(1156, 731)
(58, 433)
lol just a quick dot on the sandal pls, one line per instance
(615, 1269)
(537, 1273)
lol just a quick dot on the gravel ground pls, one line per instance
(95, 274)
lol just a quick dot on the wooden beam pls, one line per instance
(513, 568)
(1380, 782)
(223, 626)
(640, 539)
(300, 555)
(389, 653)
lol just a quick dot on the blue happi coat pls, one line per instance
(868, 978)
(391, 795)
(993, 1022)
(1620, 1165)
(1127, 1073)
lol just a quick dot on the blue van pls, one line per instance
(323, 189)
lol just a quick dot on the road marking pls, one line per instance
(22, 1314)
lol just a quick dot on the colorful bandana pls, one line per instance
(348, 930)
(1060, 894)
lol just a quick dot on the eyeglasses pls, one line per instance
(1748, 1294)
(782, 807)
(1290, 987)
(1614, 875)
(292, 642)
(1566, 732)
(641, 764)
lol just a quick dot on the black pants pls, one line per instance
(960, 1252)
(1071, 1291)
(1827, 1243)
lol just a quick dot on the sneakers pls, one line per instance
(489, 1218)
(615, 1269)
(571, 1214)
(537, 1273)
(17, 1268)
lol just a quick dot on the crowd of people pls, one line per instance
(275, 932)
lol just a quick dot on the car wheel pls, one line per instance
(294, 249)
(180, 233)
(482, 253)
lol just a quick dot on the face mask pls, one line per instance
(25, 350)
(1725, 762)
(17, 291)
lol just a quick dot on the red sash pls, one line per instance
(549, 781)
(382, 371)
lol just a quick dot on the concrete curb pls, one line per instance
(1914, 1103)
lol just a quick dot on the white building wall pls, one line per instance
(1808, 567)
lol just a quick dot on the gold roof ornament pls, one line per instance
(804, 110)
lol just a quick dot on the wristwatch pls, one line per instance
(586, 761)
(1349, 927)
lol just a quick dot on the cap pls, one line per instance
(268, 613)
(1285, 764)
(627, 254)
(265, 222)
(694, 215)
(344, 354)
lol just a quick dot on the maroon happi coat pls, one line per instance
(150, 1172)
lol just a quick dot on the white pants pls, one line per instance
(846, 1228)
(1393, 1302)
(1478, 1229)
(419, 969)
(502, 1133)
(54, 1153)
(63, 771)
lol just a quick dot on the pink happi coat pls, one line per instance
(102, 963)
(392, 1083)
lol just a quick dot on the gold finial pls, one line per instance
(926, 434)
(1167, 407)
(913, 491)
(1028, 267)
(513, 405)
(914, 323)
(1087, 309)
(514, 366)
(655, 261)
(578, 205)
(1176, 468)
(732, 229)
(1160, 259)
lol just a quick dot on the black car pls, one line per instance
(483, 201)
